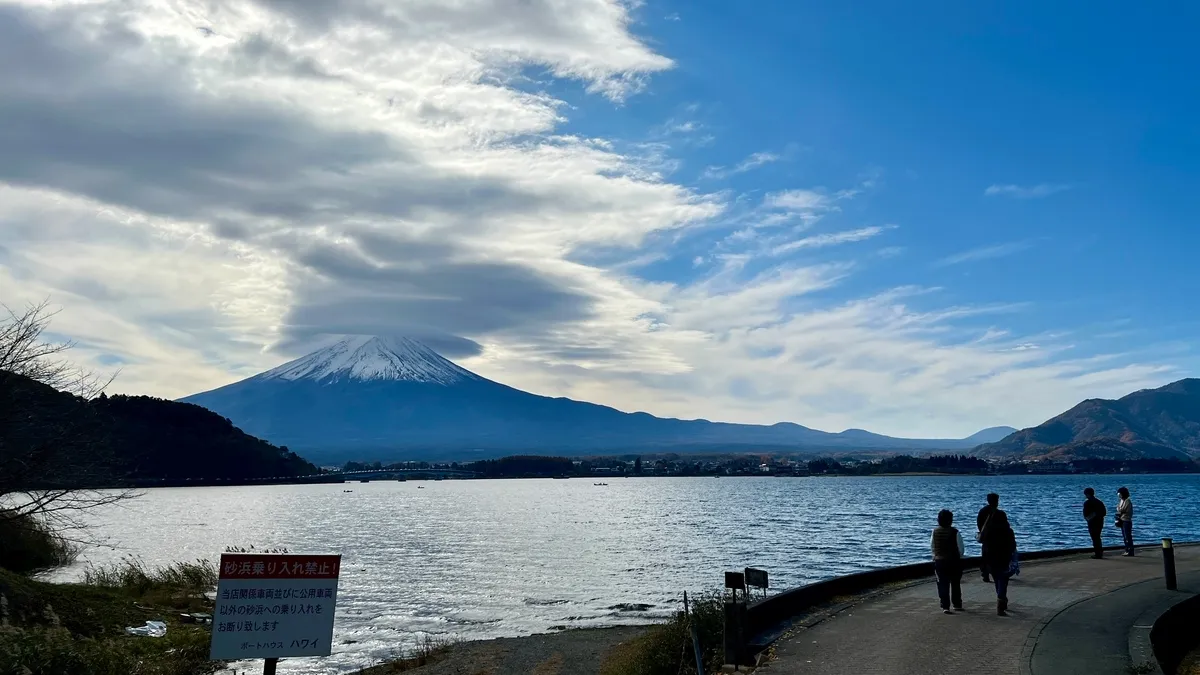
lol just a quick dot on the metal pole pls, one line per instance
(1169, 563)
(695, 636)
(269, 666)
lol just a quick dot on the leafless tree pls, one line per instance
(25, 351)
(50, 461)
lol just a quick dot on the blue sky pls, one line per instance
(916, 220)
(1089, 110)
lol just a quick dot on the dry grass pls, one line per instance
(133, 575)
(180, 585)
(57, 651)
(666, 649)
(427, 651)
(80, 628)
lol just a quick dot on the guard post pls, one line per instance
(735, 621)
(1169, 563)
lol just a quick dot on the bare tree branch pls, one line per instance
(24, 351)
(52, 455)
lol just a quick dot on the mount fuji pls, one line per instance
(368, 398)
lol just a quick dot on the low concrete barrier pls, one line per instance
(1174, 634)
(767, 618)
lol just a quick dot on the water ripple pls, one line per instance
(484, 559)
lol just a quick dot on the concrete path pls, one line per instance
(1067, 615)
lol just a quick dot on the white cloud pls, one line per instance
(797, 200)
(756, 160)
(829, 239)
(1026, 192)
(681, 127)
(749, 164)
(205, 204)
(985, 253)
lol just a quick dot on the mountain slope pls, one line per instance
(365, 358)
(368, 398)
(50, 438)
(1162, 422)
(990, 435)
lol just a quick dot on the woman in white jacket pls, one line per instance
(1125, 519)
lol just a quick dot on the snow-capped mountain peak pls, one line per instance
(373, 358)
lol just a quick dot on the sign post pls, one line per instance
(271, 606)
(757, 578)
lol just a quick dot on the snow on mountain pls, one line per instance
(389, 398)
(372, 358)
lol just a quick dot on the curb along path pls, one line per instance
(905, 631)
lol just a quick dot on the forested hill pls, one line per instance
(50, 438)
(1161, 423)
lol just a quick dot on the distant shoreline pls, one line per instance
(146, 485)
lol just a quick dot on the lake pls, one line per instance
(481, 559)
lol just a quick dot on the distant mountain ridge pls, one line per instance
(380, 398)
(991, 435)
(1161, 423)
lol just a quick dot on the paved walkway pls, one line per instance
(1067, 615)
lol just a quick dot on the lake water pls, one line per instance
(481, 559)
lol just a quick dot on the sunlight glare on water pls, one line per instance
(483, 559)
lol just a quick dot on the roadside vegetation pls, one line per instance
(52, 629)
(666, 649)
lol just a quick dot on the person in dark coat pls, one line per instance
(1094, 513)
(999, 546)
(993, 505)
(947, 547)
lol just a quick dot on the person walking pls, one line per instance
(981, 520)
(948, 551)
(1125, 519)
(1094, 513)
(1000, 546)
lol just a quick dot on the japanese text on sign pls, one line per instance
(272, 606)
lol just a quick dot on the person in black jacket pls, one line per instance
(946, 545)
(1094, 513)
(993, 505)
(999, 545)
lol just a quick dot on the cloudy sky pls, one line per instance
(921, 223)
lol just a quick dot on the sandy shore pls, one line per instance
(573, 652)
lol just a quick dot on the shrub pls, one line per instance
(180, 585)
(55, 651)
(666, 649)
(134, 576)
(31, 546)
(56, 629)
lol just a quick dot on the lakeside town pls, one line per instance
(758, 465)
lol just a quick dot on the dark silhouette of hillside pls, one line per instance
(52, 439)
(1152, 423)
